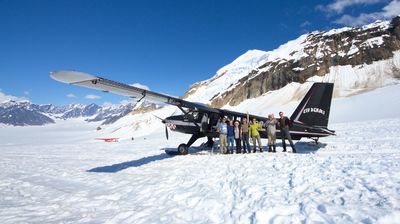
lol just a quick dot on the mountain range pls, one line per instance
(25, 113)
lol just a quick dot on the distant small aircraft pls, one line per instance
(310, 119)
(108, 139)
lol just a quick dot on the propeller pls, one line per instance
(166, 132)
(166, 128)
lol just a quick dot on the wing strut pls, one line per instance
(143, 96)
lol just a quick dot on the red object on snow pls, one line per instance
(108, 139)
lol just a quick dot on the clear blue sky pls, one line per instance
(166, 45)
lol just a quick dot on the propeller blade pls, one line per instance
(166, 132)
(162, 120)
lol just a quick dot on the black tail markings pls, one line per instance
(315, 106)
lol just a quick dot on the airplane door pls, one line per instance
(204, 123)
(214, 117)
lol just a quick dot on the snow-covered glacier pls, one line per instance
(59, 174)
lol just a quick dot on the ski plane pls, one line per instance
(309, 120)
(108, 139)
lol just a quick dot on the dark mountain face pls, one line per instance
(21, 114)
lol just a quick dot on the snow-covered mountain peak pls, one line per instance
(350, 55)
(227, 75)
(292, 50)
(382, 25)
(335, 31)
(249, 59)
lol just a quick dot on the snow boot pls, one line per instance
(261, 150)
(274, 148)
(284, 149)
(269, 148)
(293, 148)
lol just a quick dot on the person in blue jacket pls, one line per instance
(231, 136)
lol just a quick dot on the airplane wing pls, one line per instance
(105, 85)
(243, 115)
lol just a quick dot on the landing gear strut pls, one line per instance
(315, 140)
(207, 145)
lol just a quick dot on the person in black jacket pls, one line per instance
(283, 124)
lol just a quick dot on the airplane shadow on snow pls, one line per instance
(134, 163)
(301, 147)
(307, 147)
(139, 162)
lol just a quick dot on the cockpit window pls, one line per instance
(193, 114)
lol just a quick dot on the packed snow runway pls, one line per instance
(351, 177)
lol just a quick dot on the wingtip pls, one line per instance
(71, 76)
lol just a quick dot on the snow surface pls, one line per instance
(63, 131)
(337, 31)
(382, 25)
(138, 125)
(351, 80)
(372, 42)
(353, 49)
(59, 174)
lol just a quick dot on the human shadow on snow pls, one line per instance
(308, 147)
(134, 163)
(301, 147)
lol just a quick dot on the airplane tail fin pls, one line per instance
(315, 107)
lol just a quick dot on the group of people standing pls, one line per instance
(233, 133)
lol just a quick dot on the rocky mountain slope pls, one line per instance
(356, 59)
